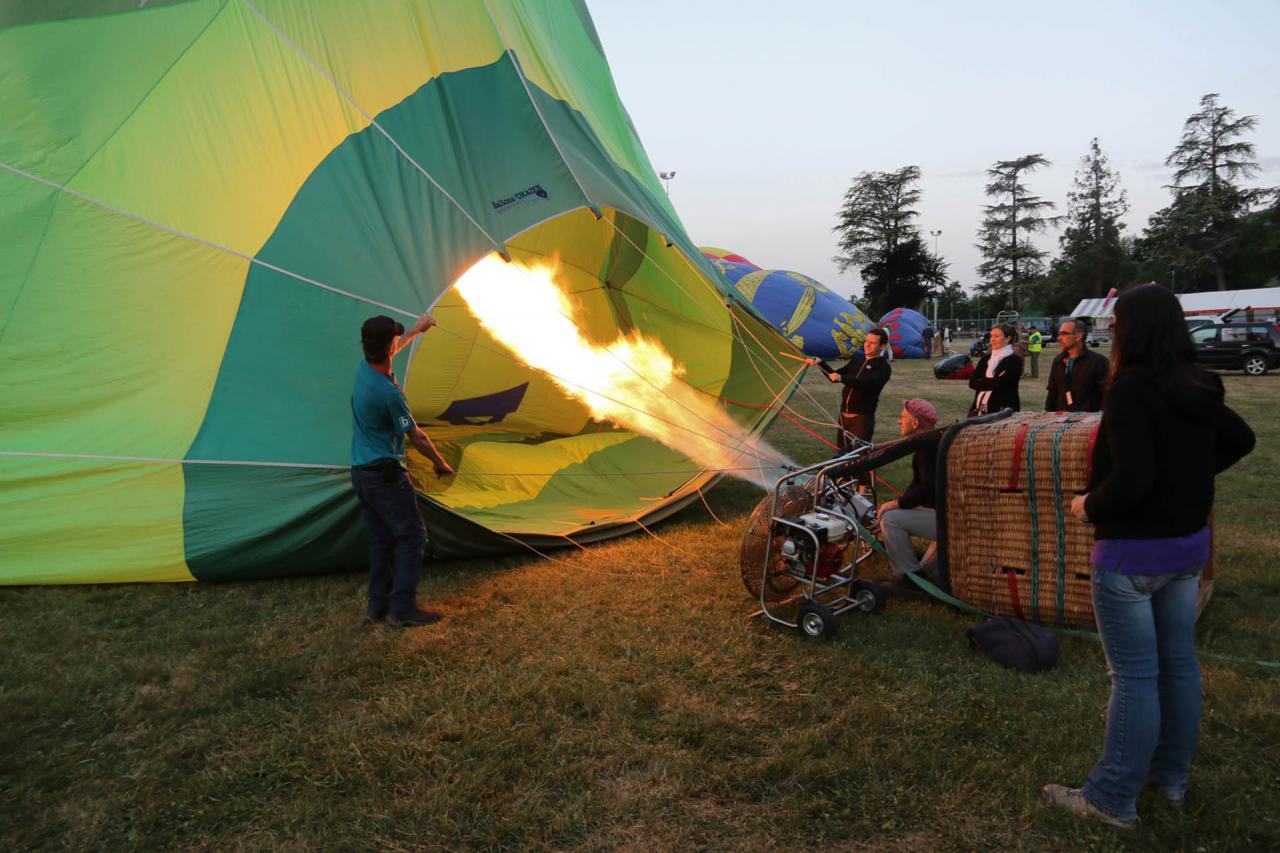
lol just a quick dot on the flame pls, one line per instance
(632, 382)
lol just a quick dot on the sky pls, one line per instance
(766, 110)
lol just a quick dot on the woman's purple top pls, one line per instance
(1152, 556)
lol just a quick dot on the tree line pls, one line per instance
(1215, 233)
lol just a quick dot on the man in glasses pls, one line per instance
(1078, 376)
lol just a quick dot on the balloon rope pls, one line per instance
(497, 244)
(323, 466)
(700, 276)
(711, 511)
(758, 342)
(800, 387)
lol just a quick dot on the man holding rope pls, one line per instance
(381, 419)
(863, 381)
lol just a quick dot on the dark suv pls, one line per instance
(1251, 347)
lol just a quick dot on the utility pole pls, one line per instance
(666, 180)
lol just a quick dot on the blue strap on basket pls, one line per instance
(1035, 521)
(1062, 522)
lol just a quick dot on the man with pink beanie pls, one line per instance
(912, 514)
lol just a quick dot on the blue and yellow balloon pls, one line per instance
(816, 320)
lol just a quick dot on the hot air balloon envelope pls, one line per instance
(906, 332)
(201, 202)
(815, 319)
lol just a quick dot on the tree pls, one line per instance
(1093, 257)
(1011, 263)
(906, 275)
(1258, 262)
(952, 300)
(876, 216)
(1208, 201)
(1172, 247)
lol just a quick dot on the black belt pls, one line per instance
(380, 465)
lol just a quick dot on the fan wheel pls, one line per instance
(780, 583)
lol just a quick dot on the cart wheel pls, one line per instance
(867, 596)
(816, 621)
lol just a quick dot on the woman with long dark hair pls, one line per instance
(1165, 434)
(995, 379)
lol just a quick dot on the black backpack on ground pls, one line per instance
(1025, 646)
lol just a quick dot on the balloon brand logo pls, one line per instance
(535, 191)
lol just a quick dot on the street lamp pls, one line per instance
(666, 180)
(935, 235)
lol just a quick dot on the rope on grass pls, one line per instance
(656, 537)
(709, 509)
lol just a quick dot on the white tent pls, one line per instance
(1211, 302)
(1096, 309)
(1265, 299)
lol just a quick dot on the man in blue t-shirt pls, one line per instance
(381, 419)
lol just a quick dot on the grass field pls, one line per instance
(618, 698)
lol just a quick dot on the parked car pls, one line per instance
(1194, 323)
(1251, 347)
(1097, 337)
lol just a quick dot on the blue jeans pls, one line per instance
(397, 540)
(1153, 722)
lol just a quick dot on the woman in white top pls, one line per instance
(995, 378)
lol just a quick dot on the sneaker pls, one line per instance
(373, 617)
(1072, 800)
(1175, 798)
(413, 619)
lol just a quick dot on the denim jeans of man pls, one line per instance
(397, 540)
(1148, 626)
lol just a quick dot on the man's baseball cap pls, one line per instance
(922, 410)
(379, 330)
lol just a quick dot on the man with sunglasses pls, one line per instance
(1078, 376)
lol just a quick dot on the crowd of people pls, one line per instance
(1147, 499)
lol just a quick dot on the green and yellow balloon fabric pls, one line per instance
(201, 201)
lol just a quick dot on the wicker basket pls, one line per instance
(1012, 545)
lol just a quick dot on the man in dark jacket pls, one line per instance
(1077, 377)
(912, 514)
(863, 379)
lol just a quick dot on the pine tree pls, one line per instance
(1093, 256)
(1012, 260)
(1201, 228)
(905, 276)
(876, 216)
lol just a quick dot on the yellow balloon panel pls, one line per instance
(63, 534)
(277, 117)
(113, 340)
